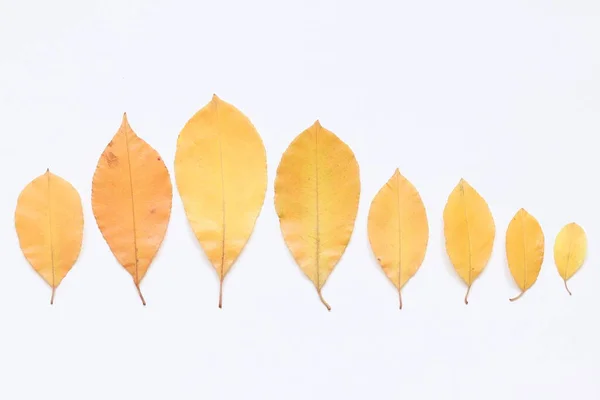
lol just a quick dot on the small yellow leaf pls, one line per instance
(398, 230)
(317, 189)
(524, 250)
(131, 200)
(49, 224)
(570, 249)
(221, 174)
(469, 230)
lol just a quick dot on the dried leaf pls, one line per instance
(398, 230)
(316, 196)
(570, 250)
(131, 200)
(469, 230)
(524, 250)
(49, 224)
(221, 174)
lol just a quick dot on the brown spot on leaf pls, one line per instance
(111, 159)
(153, 210)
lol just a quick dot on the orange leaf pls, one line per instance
(131, 200)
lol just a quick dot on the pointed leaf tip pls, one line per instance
(124, 121)
(317, 124)
(215, 98)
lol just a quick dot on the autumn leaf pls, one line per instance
(131, 200)
(398, 230)
(469, 230)
(49, 224)
(524, 250)
(221, 174)
(570, 249)
(317, 190)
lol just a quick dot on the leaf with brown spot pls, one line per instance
(131, 200)
(49, 224)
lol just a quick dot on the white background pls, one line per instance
(505, 94)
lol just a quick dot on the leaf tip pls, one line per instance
(124, 121)
(317, 124)
(215, 98)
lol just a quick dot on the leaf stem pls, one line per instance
(52, 298)
(137, 286)
(400, 298)
(518, 297)
(566, 287)
(221, 294)
(323, 300)
(467, 295)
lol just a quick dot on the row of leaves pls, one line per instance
(221, 175)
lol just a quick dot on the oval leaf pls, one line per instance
(221, 174)
(398, 230)
(317, 189)
(49, 224)
(570, 249)
(131, 200)
(524, 250)
(469, 230)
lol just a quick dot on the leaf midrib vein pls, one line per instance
(135, 247)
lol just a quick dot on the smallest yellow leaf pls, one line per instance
(570, 249)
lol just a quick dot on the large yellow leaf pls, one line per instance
(316, 196)
(524, 250)
(469, 230)
(398, 230)
(221, 173)
(49, 223)
(570, 249)
(131, 200)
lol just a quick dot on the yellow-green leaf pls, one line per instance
(570, 250)
(221, 174)
(524, 250)
(469, 230)
(398, 230)
(316, 196)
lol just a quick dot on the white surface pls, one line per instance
(506, 96)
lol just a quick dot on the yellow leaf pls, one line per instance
(524, 250)
(570, 250)
(398, 230)
(49, 224)
(317, 189)
(131, 200)
(221, 174)
(469, 230)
